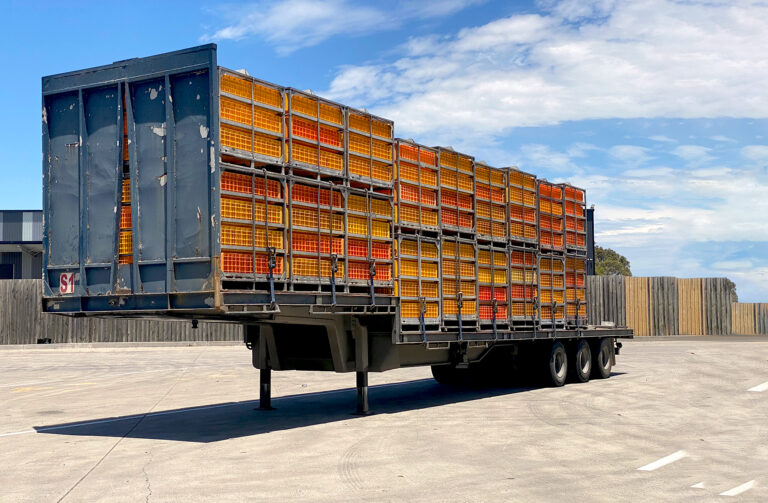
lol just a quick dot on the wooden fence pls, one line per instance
(23, 322)
(650, 306)
(672, 306)
(750, 319)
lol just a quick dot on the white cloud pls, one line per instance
(650, 59)
(731, 265)
(537, 157)
(723, 139)
(292, 24)
(755, 153)
(630, 154)
(580, 149)
(693, 154)
(662, 139)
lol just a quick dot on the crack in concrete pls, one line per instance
(146, 475)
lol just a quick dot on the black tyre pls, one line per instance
(450, 375)
(557, 365)
(580, 365)
(602, 361)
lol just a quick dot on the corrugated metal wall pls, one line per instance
(18, 226)
(671, 306)
(22, 322)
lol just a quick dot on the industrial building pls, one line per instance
(21, 244)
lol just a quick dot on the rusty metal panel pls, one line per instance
(146, 121)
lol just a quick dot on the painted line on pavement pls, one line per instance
(759, 387)
(746, 486)
(675, 456)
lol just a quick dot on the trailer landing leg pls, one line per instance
(362, 393)
(265, 389)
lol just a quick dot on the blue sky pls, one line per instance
(657, 107)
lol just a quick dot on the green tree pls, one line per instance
(610, 263)
(732, 288)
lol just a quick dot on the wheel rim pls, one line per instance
(584, 362)
(559, 364)
(604, 357)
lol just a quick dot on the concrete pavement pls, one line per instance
(675, 422)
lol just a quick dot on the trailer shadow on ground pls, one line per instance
(215, 422)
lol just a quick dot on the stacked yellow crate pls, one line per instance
(575, 289)
(416, 187)
(125, 246)
(551, 289)
(317, 247)
(457, 191)
(315, 140)
(418, 281)
(551, 216)
(370, 149)
(252, 225)
(575, 218)
(251, 118)
(459, 279)
(521, 207)
(370, 219)
(490, 194)
(493, 285)
(523, 285)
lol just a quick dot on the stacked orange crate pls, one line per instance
(493, 286)
(317, 217)
(551, 289)
(523, 286)
(459, 281)
(370, 239)
(125, 245)
(521, 207)
(125, 241)
(315, 140)
(252, 225)
(457, 191)
(575, 289)
(551, 216)
(251, 119)
(416, 187)
(490, 194)
(575, 219)
(370, 152)
(574, 204)
(418, 282)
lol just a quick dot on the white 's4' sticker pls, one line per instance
(67, 282)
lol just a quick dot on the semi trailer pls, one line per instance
(175, 188)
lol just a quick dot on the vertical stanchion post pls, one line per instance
(271, 250)
(334, 269)
(459, 305)
(422, 315)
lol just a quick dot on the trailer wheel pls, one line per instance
(603, 359)
(581, 362)
(558, 365)
(449, 375)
